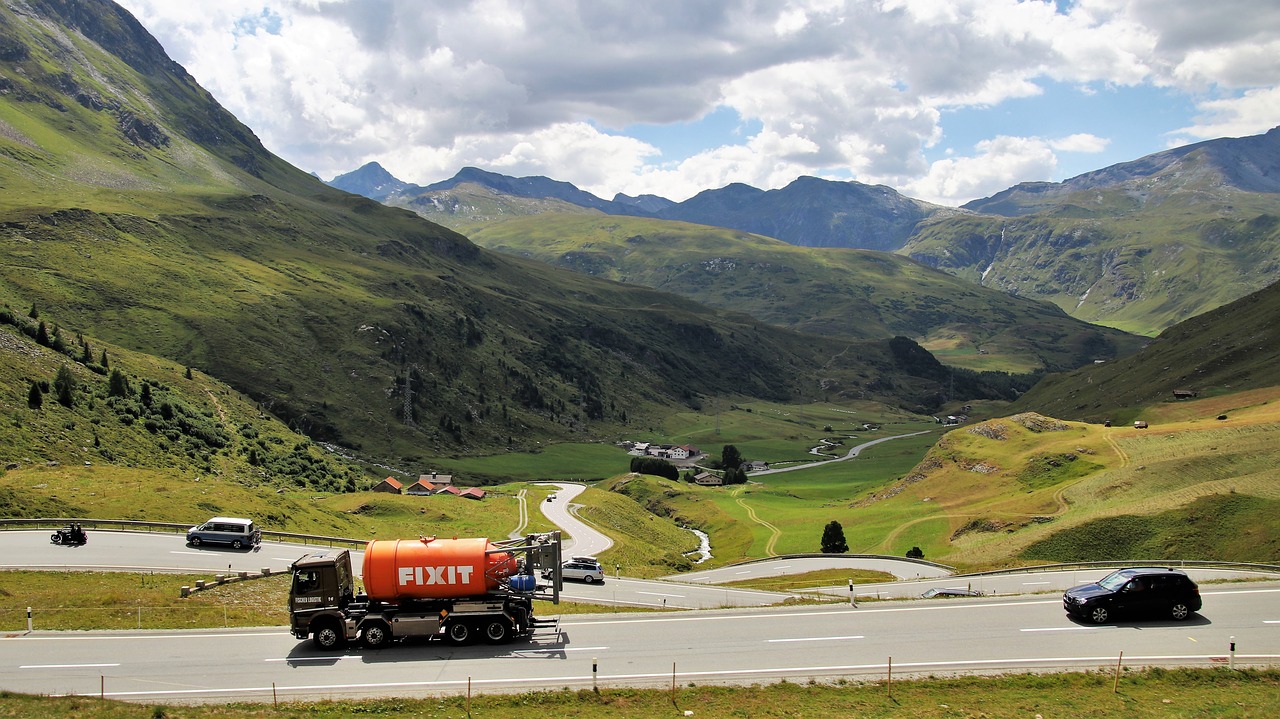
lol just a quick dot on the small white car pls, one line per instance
(586, 569)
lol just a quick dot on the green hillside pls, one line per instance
(834, 292)
(1232, 348)
(1139, 246)
(136, 210)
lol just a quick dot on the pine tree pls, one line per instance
(35, 398)
(730, 458)
(117, 384)
(833, 541)
(42, 334)
(33, 314)
(104, 362)
(64, 385)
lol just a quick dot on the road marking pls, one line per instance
(782, 566)
(1271, 621)
(1030, 584)
(660, 594)
(551, 650)
(64, 666)
(282, 559)
(198, 554)
(1066, 629)
(817, 639)
(434, 685)
(314, 659)
(743, 572)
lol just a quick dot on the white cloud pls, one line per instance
(1254, 112)
(997, 164)
(1080, 142)
(837, 87)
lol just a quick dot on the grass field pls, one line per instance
(1150, 694)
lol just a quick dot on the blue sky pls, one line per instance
(944, 100)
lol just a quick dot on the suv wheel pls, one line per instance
(1099, 615)
(237, 544)
(195, 541)
(1179, 611)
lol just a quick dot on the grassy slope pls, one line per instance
(1233, 348)
(1105, 256)
(831, 292)
(204, 248)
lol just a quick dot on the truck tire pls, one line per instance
(376, 635)
(328, 634)
(497, 631)
(459, 633)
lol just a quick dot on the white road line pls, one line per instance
(660, 594)
(314, 659)
(1066, 629)
(1271, 621)
(436, 685)
(198, 554)
(283, 559)
(65, 666)
(748, 571)
(817, 639)
(1030, 584)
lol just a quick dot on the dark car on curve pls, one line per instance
(1136, 592)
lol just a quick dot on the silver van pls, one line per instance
(234, 531)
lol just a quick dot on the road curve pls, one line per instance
(583, 540)
(853, 452)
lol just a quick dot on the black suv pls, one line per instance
(1138, 591)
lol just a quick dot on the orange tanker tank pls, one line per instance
(430, 568)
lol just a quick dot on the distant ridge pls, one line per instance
(372, 181)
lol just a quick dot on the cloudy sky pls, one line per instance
(944, 100)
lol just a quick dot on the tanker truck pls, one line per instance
(457, 590)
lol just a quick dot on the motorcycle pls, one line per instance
(69, 535)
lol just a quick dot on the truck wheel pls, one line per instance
(377, 635)
(458, 633)
(328, 635)
(497, 631)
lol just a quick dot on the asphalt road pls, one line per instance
(144, 552)
(722, 647)
(582, 540)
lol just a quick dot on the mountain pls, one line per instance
(527, 187)
(1233, 348)
(138, 211)
(1247, 164)
(372, 181)
(1139, 246)
(810, 212)
(834, 292)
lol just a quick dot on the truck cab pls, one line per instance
(321, 591)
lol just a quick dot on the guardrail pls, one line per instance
(132, 525)
(1179, 563)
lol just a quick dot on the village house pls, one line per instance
(422, 488)
(756, 466)
(436, 479)
(390, 485)
(707, 479)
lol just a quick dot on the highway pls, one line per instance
(722, 647)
